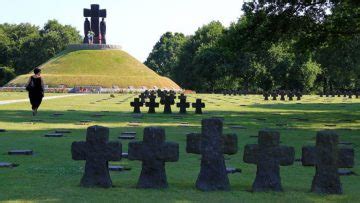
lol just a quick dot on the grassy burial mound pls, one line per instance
(105, 68)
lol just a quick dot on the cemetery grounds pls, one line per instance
(51, 174)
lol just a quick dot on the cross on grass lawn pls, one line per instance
(153, 151)
(327, 157)
(96, 151)
(136, 104)
(198, 105)
(268, 156)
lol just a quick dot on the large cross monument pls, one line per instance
(99, 28)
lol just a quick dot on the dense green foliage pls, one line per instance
(25, 46)
(303, 45)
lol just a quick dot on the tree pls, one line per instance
(6, 74)
(185, 70)
(165, 54)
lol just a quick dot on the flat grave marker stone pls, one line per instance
(54, 135)
(8, 165)
(20, 152)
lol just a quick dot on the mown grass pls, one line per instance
(51, 174)
(104, 68)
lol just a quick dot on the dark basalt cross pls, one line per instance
(290, 95)
(136, 104)
(97, 151)
(167, 102)
(282, 95)
(152, 104)
(212, 144)
(95, 13)
(298, 95)
(153, 151)
(268, 156)
(142, 97)
(183, 105)
(274, 96)
(266, 96)
(327, 157)
(198, 105)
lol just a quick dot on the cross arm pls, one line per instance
(87, 12)
(169, 152)
(135, 150)
(193, 142)
(78, 150)
(114, 151)
(346, 158)
(251, 153)
(308, 156)
(102, 13)
(286, 155)
(230, 144)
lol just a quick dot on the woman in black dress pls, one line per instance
(35, 87)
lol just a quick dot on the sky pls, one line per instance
(136, 25)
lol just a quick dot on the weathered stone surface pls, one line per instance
(168, 101)
(152, 104)
(327, 157)
(153, 151)
(198, 105)
(183, 105)
(136, 104)
(95, 13)
(268, 156)
(211, 144)
(97, 151)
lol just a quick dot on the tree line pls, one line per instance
(309, 46)
(25, 46)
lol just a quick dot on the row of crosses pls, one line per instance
(212, 144)
(283, 94)
(167, 101)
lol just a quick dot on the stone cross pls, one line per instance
(212, 144)
(268, 155)
(182, 97)
(167, 102)
(152, 104)
(198, 105)
(274, 96)
(136, 104)
(142, 96)
(327, 157)
(153, 151)
(266, 96)
(183, 105)
(97, 151)
(95, 13)
(298, 95)
(282, 95)
(290, 95)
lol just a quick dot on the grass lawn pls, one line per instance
(51, 175)
(104, 68)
